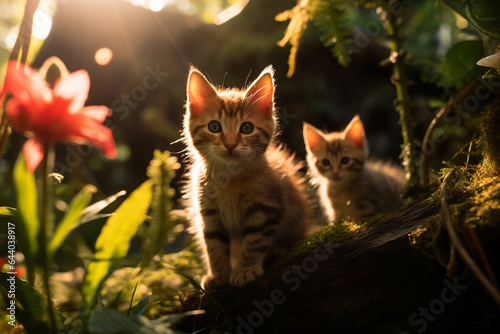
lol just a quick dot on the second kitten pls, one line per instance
(349, 186)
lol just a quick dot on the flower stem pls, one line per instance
(47, 167)
(5, 129)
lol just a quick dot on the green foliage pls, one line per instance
(161, 170)
(71, 218)
(331, 16)
(91, 213)
(28, 224)
(114, 241)
(483, 14)
(32, 312)
(140, 307)
(113, 321)
(459, 66)
(6, 212)
(166, 279)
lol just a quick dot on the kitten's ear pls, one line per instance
(355, 133)
(199, 92)
(312, 137)
(260, 94)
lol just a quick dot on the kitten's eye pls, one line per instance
(325, 162)
(344, 160)
(246, 128)
(214, 127)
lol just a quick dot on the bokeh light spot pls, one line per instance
(42, 23)
(103, 56)
(156, 5)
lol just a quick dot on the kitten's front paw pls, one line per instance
(211, 282)
(241, 276)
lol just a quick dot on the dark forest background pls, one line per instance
(321, 92)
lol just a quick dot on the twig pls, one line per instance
(482, 255)
(451, 267)
(435, 122)
(468, 144)
(462, 251)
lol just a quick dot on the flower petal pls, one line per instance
(99, 113)
(73, 87)
(104, 141)
(26, 85)
(33, 152)
(96, 134)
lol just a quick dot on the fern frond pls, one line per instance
(299, 17)
(161, 171)
(331, 17)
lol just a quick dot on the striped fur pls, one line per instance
(349, 187)
(245, 196)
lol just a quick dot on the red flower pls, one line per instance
(47, 115)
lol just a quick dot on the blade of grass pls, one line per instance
(132, 299)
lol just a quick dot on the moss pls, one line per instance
(473, 200)
(485, 209)
(332, 234)
(490, 136)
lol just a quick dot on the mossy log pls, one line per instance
(374, 282)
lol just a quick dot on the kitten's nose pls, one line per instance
(335, 173)
(230, 146)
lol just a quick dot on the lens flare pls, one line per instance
(156, 5)
(103, 56)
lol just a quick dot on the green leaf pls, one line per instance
(71, 218)
(28, 225)
(141, 306)
(483, 14)
(6, 212)
(114, 241)
(459, 64)
(89, 212)
(33, 311)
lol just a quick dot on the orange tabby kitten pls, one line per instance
(245, 196)
(349, 186)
